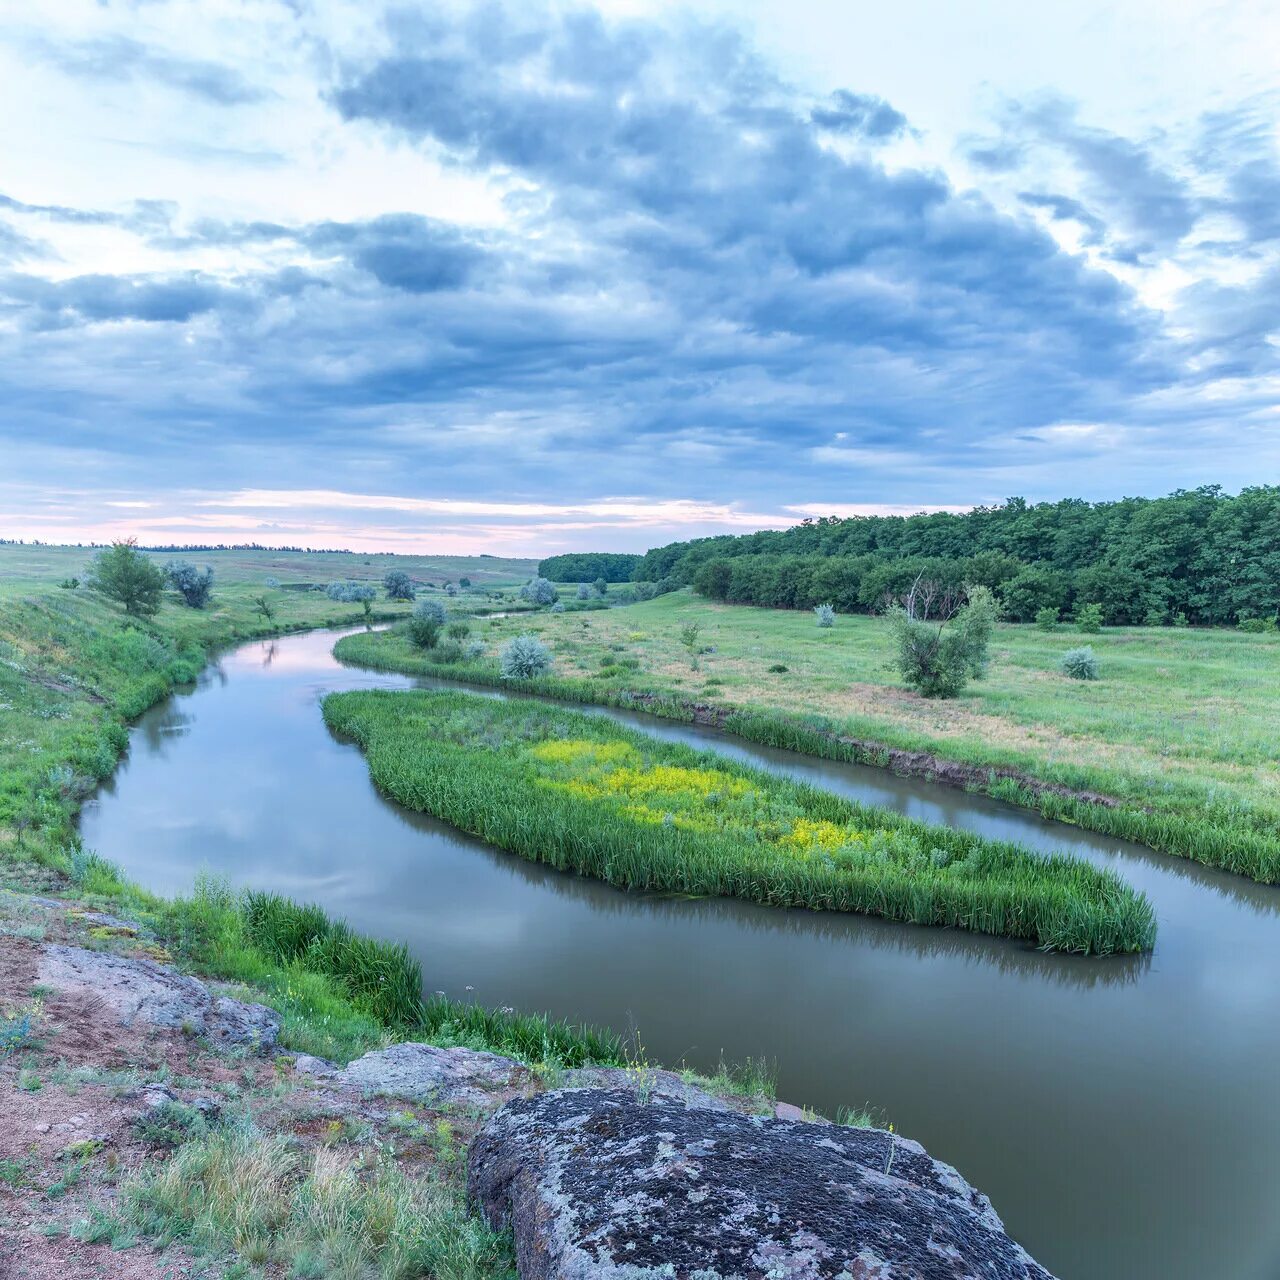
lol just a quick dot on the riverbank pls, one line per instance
(583, 794)
(1172, 748)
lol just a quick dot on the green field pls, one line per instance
(1174, 746)
(584, 794)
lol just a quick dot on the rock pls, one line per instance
(441, 1077)
(789, 1111)
(648, 1084)
(306, 1065)
(596, 1184)
(140, 990)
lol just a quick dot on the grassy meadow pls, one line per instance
(1174, 745)
(584, 794)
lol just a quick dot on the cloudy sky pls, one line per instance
(519, 278)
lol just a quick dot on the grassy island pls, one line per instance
(586, 795)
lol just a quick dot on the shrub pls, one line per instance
(69, 584)
(398, 584)
(539, 591)
(1079, 664)
(1180, 619)
(936, 658)
(524, 657)
(645, 590)
(558, 607)
(825, 615)
(449, 651)
(1256, 626)
(271, 582)
(123, 574)
(450, 589)
(425, 622)
(584, 591)
(458, 630)
(194, 587)
(1089, 618)
(1047, 619)
(350, 592)
(1155, 617)
(475, 650)
(464, 583)
(601, 586)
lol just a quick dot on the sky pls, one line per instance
(524, 278)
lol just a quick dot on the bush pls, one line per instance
(1155, 617)
(194, 587)
(398, 584)
(449, 651)
(1047, 619)
(425, 622)
(475, 650)
(825, 615)
(271, 582)
(1079, 664)
(458, 630)
(1089, 618)
(524, 657)
(123, 574)
(450, 589)
(936, 658)
(601, 586)
(584, 591)
(351, 592)
(1256, 626)
(539, 591)
(558, 607)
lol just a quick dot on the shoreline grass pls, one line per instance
(1218, 816)
(584, 794)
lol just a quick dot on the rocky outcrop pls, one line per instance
(597, 1183)
(649, 1084)
(139, 990)
(425, 1073)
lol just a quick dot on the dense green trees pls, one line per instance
(1199, 554)
(587, 566)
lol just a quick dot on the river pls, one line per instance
(1123, 1114)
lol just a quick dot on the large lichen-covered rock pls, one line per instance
(650, 1084)
(597, 1183)
(140, 990)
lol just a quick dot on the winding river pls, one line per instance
(1123, 1114)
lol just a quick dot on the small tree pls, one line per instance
(523, 658)
(450, 589)
(194, 587)
(266, 610)
(1089, 618)
(1047, 619)
(602, 587)
(465, 583)
(425, 623)
(584, 591)
(690, 637)
(399, 585)
(941, 642)
(825, 615)
(1079, 664)
(541, 591)
(123, 574)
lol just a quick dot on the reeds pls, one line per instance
(485, 766)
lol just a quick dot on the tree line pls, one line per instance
(1197, 556)
(587, 566)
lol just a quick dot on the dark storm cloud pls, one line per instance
(121, 59)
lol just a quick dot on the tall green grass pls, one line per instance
(468, 760)
(299, 952)
(1215, 832)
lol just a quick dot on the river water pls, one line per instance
(1123, 1114)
